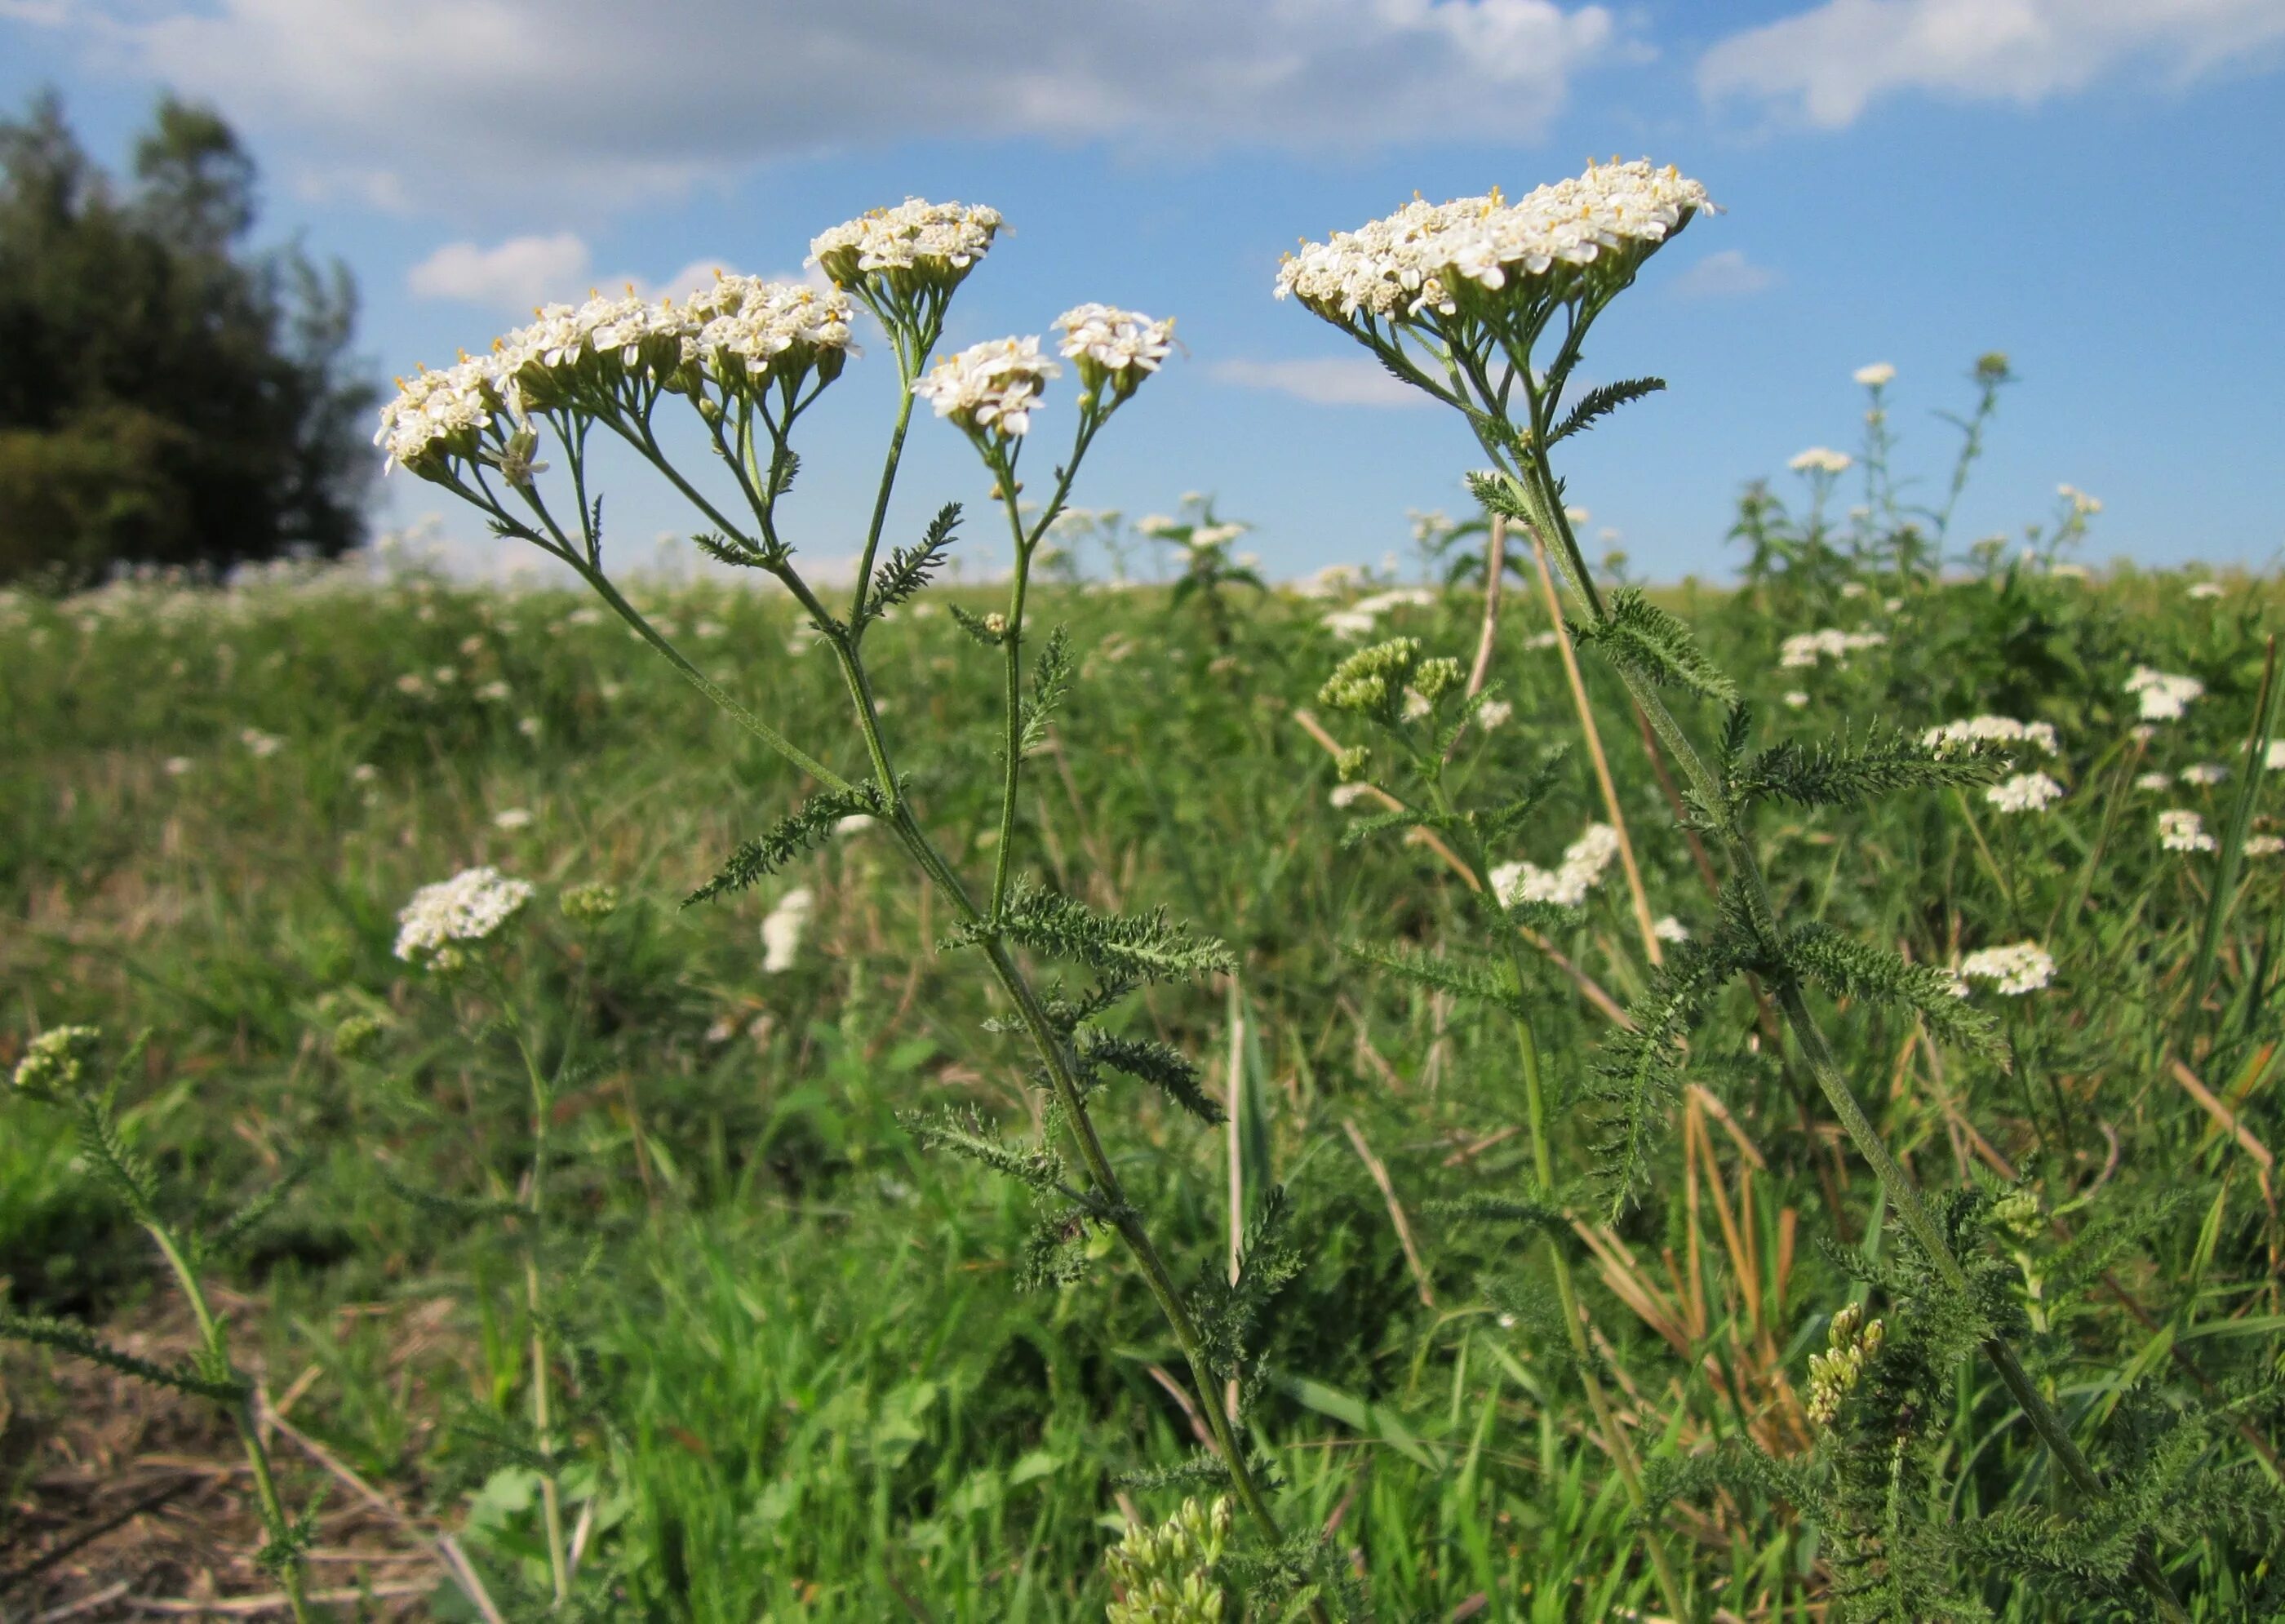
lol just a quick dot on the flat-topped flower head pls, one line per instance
(470, 907)
(915, 246)
(1992, 730)
(1483, 252)
(989, 389)
(438, 417)
(748, 330)
(1820, 459)
(1111, 345)
(2163, 696)
(2025, 967)
(1877, 375)
(2026, 792)
(570, 353)
(2183, 830)
(1584, 863)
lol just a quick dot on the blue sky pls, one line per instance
(2085, 185)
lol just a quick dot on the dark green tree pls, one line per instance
(171, 396)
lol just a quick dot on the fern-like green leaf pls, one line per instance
(965, 1133)
(1847, 967)
(70, 1337)
(1137, 947)
(804, 827)
(1051, 680)
(1637, 636)
(1598, 403)
(1161, 1064)
(1841, 773)
(910, 568)
(1482, 980)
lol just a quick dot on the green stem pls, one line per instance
(241, 1415)
(551, 1496)
(880, 501)
(1903, 1195)
(1543, 1159)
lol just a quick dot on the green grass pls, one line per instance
(805, 1384)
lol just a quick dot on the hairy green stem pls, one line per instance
(242, 1415)
(551, 1496)
(1903, 1195)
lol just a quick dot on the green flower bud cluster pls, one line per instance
(1371, 681)
(589, 905)
(1166, 1574)
(359, 1037)
(2017, 1213)
(55, 1066)
(1834, 1374)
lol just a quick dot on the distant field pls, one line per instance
(799, 1380)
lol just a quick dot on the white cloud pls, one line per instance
(524, 271)
(1328, 380)
(1828, 65)
(1728, 274)
(474, 100)
(515, 275)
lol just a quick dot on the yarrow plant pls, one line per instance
(746, 358)
(1486, 305)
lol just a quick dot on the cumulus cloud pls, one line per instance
(1728, 274)
(516, 274)
(1328, 380)
(477, 99)
(1825, 65)
(524, 271)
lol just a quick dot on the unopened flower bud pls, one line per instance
(589, 905)
(55, 1065)
(359, 1037)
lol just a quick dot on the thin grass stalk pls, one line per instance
(1593, 735)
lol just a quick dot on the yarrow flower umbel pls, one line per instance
(2180, 830)
(989, 389)
(470, 907)
(1585, 860)
(915, 242)
(2032, 792)
(1486, 252)
(1993, 730)
(1112, 346)
(2164, 696)
(2024, 967)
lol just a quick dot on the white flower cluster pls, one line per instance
(1820, 459)
(1359, 618)
(1808, 647)
(989, 387)
(468, 907)
(2164, 696)
(2082, 505)
(745, 321)
(1993, 730)
(2207, 773)
(782, 931)
(2273, 758)
(1108, 342)
(2263, 845)
(742, 328)
(1427, 256)
(1875, 376)
(2179, 830)
(939, 241)
(2025, 792)
(2208, 590)
(1584, 861)
(2023, 968)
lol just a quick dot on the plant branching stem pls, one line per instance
(242, 1417)
(1897, 1186)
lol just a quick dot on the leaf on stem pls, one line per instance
(1161, 1064)
(1600, 402)
(70, 1337)
(1484, 980)
(804, 827)
(911, 569)
(1637, 636)
(1051, 680)
(1840, 772)
(1847, 967)
(964, 1132)
(1140, 947)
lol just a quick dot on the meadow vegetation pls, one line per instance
(1320, 1101)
